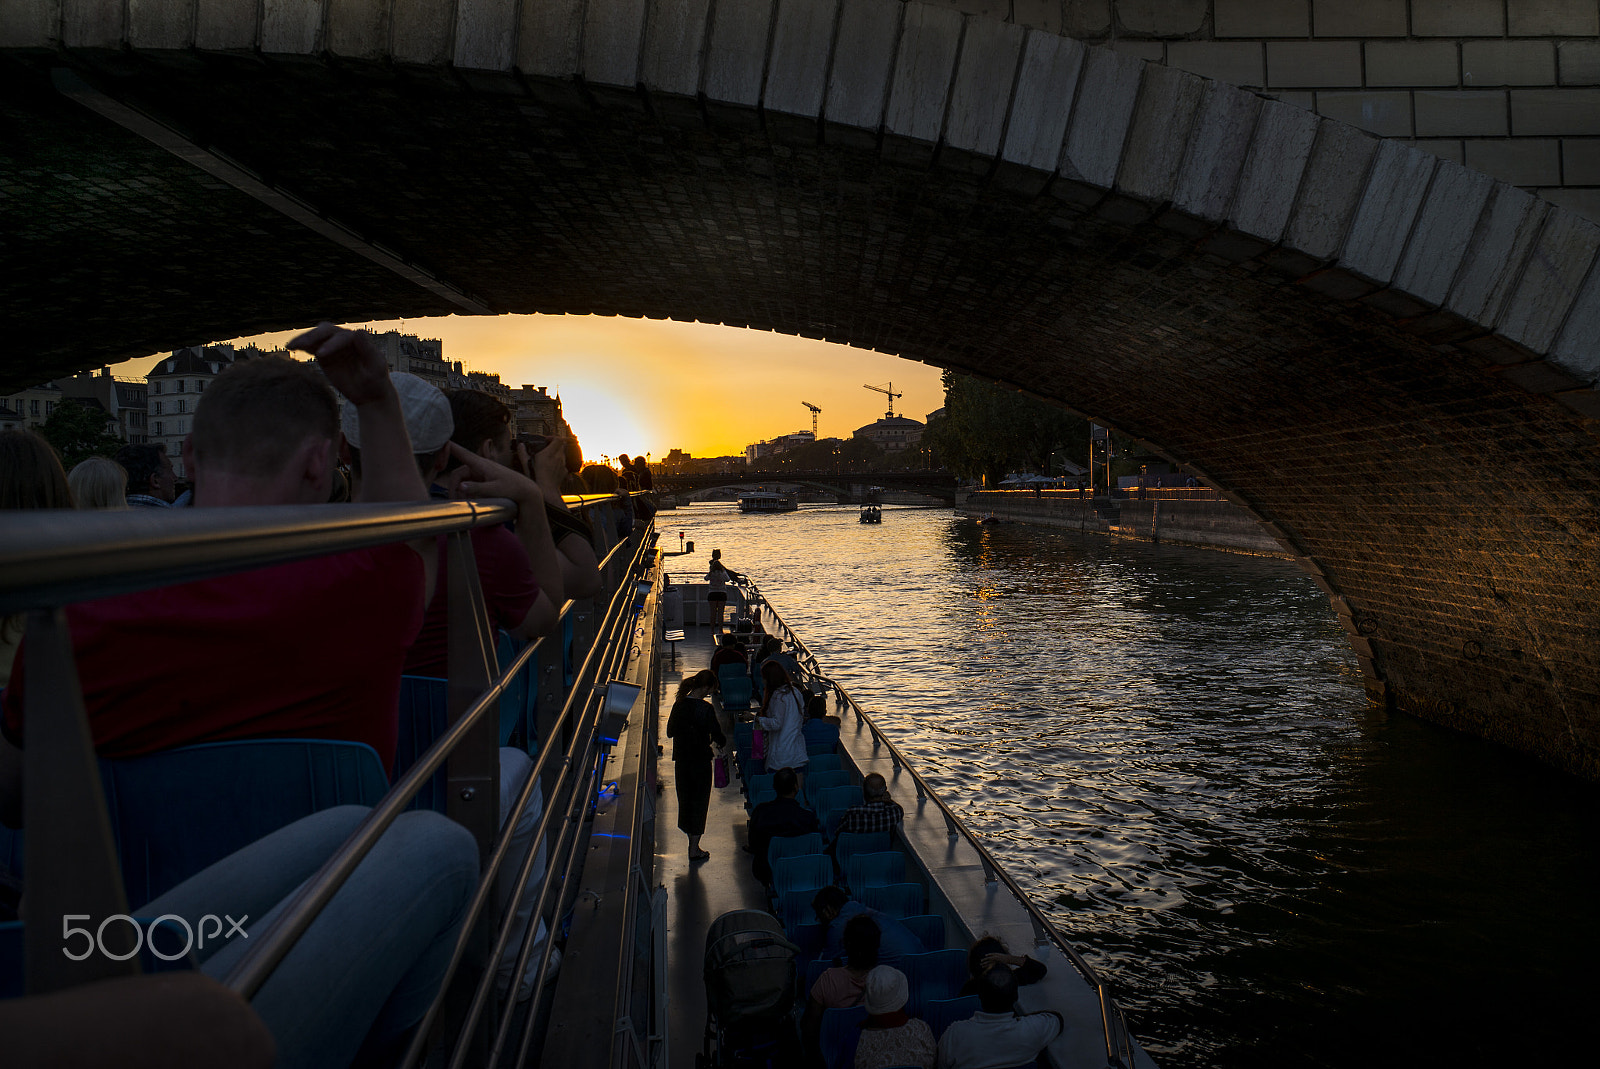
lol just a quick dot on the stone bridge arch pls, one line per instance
(1388, 359)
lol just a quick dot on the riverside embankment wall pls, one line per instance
(1211, 524)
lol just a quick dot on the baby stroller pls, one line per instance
(750, 993)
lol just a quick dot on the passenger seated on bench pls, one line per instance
(843, 985)
(997, 1034)
(781, 818)
(888, 1036)
(989, 952)
(729, 651)
(309, 649)
(877, 811)
(836, 909)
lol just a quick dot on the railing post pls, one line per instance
(473, 771)
(71, 864)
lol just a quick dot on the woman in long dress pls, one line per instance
(693, 729)
(783, 716)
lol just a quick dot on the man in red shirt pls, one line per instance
(311, 649)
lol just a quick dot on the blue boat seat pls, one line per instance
(851, 843)
(823, 762)
(735, 687)
(942, 1013)
(934, 976)
(821, 734)
(759, 797)
(875, 870)
(896, 899)
(519, 701)
(424, 716)
(817, 782)
(928, 928)
(174, 813)
(807, 872)
(794, 909)
(841, 1031)
(781, 846)
(840, 798)
(756, 784)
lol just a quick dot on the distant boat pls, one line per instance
(871, 514)
(767, 501)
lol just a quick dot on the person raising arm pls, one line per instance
(480, 477)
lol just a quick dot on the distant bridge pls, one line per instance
(939, 484)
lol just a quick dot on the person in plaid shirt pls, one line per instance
(878, 812)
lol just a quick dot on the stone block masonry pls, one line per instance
(1456, 74)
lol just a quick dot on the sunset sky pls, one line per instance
(647, 386)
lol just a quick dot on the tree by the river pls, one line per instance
(78, 432)
(989, 430)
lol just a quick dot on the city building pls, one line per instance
(125, 401)
(536, 412)
(482, 381)
(892, 434)
(175, 386)
(781, 444)
(422, 357)
(34, 405)
(9, 419)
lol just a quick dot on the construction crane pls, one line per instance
(889, 393)
(815, 412)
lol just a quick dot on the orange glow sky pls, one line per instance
(647, 386)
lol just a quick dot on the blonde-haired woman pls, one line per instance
(99, 483)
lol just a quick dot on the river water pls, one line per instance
(1170, 748)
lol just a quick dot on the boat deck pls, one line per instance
(696, 893)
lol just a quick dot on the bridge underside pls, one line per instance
(1452, 512)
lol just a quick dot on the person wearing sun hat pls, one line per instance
(888, 1036)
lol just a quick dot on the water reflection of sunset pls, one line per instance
(647, 386)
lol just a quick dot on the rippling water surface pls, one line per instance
(1171, 749)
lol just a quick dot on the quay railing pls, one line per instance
(54, 558)
(1118, 1040)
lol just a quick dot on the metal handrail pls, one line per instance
(578, 699)
(55, 557)
(1117, 1039)
(256, 964)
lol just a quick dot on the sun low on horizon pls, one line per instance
(646, 386)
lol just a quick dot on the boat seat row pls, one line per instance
(933, 977)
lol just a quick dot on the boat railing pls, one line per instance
(1118, 1040)
(53, 558)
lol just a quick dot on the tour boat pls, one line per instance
(767, 501)
(871, 514)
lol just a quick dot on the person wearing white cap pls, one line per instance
(520, 575)
(888, 1036)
